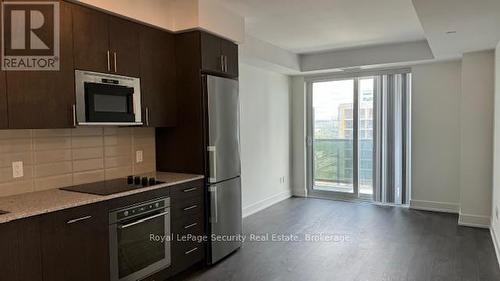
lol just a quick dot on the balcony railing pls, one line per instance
(333, 163)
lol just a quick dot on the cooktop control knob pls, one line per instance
(125, 213)
(130, 179)
(137, 180)
(144, 181)
(152, 181)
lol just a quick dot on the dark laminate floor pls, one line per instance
(384, 243)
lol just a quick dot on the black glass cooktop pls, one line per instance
(109, 187)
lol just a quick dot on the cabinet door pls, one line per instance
(230, 52)
(20, 258)
(90, 39)
(75, 244)
(211, 59)
(44, 99)
(3, 102)
(3, 95)
(125, 46)
(158, 77)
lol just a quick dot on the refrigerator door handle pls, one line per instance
(214, 204)
(212, 156)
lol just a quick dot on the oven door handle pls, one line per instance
(142, 220)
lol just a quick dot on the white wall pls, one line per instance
(476, 138)
(495, 222)
(265, 137)
(436, 136)
(178, 15)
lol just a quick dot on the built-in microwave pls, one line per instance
(107, 99)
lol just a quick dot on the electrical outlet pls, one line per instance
(17, 169)
(138, 156)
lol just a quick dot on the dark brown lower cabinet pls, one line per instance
(75, 244)
(20, 257)
(187, 221)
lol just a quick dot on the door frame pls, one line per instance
(355, 195)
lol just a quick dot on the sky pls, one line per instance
(327, 96)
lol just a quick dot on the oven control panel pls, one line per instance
(139, 209)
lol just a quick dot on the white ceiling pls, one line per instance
(303, 26)
(476, 22)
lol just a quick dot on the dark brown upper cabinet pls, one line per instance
(90, 40)
(158, 77)
(75, 245)
(105, 43)
(229, 51)
(218, 55)
(44, 99)
(20, 255)
(124, 43)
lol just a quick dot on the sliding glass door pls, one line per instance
(333, 136)
(341, 136)
(358, 137)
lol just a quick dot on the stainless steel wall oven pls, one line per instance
(133, 253)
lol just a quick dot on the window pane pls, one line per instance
(365, 135)
(333, 135)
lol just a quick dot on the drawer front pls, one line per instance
(189, 225)
(186, 254)
(188, 190)
(189, 208)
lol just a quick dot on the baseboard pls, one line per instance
(262, 204)
(495, 244)
(474, 220)
(434, 206)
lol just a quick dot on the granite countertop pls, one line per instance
(41, 202)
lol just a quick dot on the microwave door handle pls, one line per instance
(142, 220)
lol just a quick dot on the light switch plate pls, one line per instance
(138, 156)
(17, 169)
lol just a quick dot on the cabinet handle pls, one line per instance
(147, 116)
(78, 219)
(222, 63)
(190, 207)
(191, 225)
(190, 251)
(109, 63)
(74, 115)
(114, 59)
(225, 63)
(190, 189)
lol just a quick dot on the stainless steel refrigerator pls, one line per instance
(223, 164)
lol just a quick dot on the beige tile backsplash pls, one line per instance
(61, 157)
